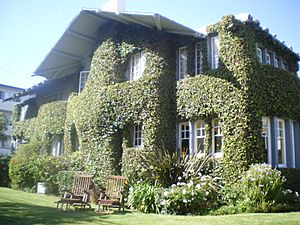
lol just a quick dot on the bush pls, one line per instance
(31, 164)
(19, 172)
(65, 181)
(259, 190)
(4, 178)
(165, 167)
(197, 196)
(144, 197)
(45, 168)
(292, 176)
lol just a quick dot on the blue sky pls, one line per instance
(30, 28)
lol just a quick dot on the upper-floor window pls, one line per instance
(182, 62)
(54, 96)
(268, 59)
(2, 94)
(217, 137)
(215, 52)
(198, 58)
(284, 65)
(82, 80)
(276, 64)
(137, 135)
(200, 136)
(259, 54)
(281, 151)
(137, 65)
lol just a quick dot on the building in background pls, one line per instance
(6, 108)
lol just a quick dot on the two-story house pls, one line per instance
(120, 84)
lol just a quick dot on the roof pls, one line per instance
(80, 38)
(11, 87)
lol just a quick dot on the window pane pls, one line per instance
(200, 145)
(182, 62)
(218, 144)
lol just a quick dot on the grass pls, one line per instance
(18, 207)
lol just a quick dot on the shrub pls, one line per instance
(144, 197)
(65, 181)
(44, 168)
(4, 178)
(292, 176)
(197, 196)
(259, 189)
(165, 167)
(19, 172)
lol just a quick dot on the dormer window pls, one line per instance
(137, 65)
(182, 62)
(198, 59)
(215, 52)
(82, 80)
(259, 54)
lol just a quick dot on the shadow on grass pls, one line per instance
(21, 213)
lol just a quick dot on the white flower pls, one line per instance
(297, 194)
(198, 186)
(184, 200)
(207, 192)
(179, 178)
(184, 191)
(173, 185)
(166, 193)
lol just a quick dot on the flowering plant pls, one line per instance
(195, 196)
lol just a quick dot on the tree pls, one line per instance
(2, 127)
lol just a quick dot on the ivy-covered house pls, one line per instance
(122, 84)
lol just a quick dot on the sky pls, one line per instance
(30, 28)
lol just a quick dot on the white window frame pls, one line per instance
(293, 143)
(184, 137)
(267, 137)
(216, 125)
(198, 59)
(268, 59)
(283, 164)
(201, 130)
(137, 65)
(259, 54)
(82, 80)
(215, 52)
(137, 135)
(182, 62)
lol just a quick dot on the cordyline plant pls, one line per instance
(165, 167)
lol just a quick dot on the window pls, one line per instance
(217, 137)
(215, 52)
(198, 58)
(2, 94)
(276, 62)
(54, 96)
(259, 54)
(265, 134)
(281, 143)
(268, 59)
(137, 135)
(57, 145)
(284, 65)
(82, 80)
(182, 62)
(200, 136)
(184, 138)
(137, 65)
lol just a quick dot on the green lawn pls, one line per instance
(17, 207)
